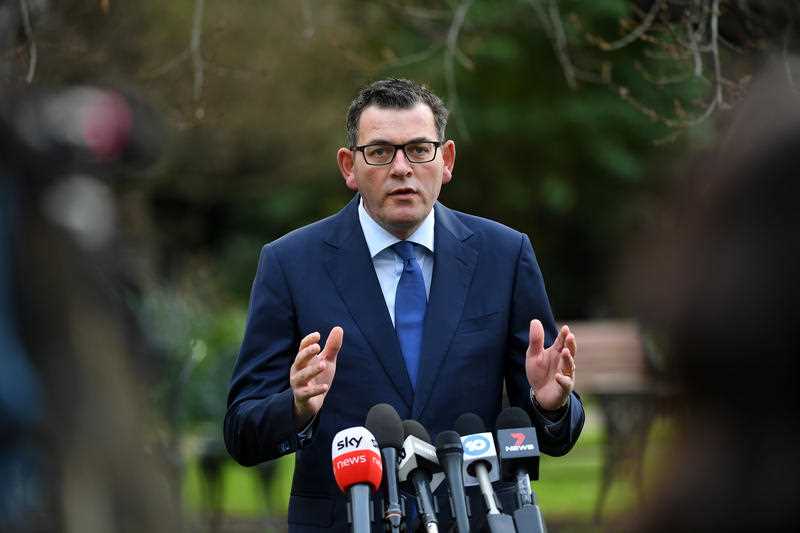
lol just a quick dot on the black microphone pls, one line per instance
(519, 458)
(384, 422)
(420, 470)
(451, 458)
(481, 468)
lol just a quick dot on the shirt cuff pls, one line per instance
(553, 417)
(305, 435)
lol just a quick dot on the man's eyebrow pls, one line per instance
(384, 141)
(376, 141)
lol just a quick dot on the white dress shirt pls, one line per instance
(388, 264)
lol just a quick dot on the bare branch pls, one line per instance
(308, 20)
(417, 12)
(195, 50)
(560, 42)
(550, 20)
(715, 53)
(449, 59)
(414, 58)
(640, 30)
(33, 54)
(169, 65)
(660, 80)
(694, 48)
(235, 72)
(787, 39)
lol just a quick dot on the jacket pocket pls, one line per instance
(478, 323)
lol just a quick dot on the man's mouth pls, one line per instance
(404, 191)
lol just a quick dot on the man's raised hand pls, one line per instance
(312, 374)
(551, 371)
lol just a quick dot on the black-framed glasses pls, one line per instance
(379, 154)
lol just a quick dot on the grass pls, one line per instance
(567, 489)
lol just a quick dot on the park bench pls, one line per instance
(615, 368)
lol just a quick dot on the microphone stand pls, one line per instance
(393, 514)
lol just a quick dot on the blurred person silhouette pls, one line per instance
(73, 456)
(728, 314)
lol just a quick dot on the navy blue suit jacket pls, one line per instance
(486, 287)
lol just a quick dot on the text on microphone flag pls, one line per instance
(475, 444)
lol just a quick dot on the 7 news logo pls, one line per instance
(519, 439)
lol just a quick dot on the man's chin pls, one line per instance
(402, 227)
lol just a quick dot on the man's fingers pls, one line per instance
(304, 357)
(536, 338)
(306, 393)
(567, 363)
(566, 383)
(562, 337)
(309, 339)
(333, 343)
(572, 344)
(299, 378)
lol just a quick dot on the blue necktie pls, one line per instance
(410, 302)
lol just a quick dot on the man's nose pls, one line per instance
(400, 166)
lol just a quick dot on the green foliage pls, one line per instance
(198, 340)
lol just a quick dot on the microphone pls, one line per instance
(384, 422)
(481, 468)
(358, 471)
(519, 457)
(419, 471)
(450, 452)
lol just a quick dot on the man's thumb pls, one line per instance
(334, 342)
(536, 337)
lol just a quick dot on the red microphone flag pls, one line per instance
(356, 458)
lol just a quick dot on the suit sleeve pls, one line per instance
(259, 423)
(529, 301)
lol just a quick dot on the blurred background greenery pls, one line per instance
(562, 131)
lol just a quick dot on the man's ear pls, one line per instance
(449, 157)
(344, 158)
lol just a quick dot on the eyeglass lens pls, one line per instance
(382, 154)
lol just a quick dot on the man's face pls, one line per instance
(401, 194)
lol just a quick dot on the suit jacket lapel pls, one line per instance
(351, 269)
(453, 268)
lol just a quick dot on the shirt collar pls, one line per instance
(378, 239)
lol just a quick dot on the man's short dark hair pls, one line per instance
(395, 93)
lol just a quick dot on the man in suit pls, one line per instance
(427, 309)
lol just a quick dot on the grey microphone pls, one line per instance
(481, 468)
(420, 471)
(480, 457)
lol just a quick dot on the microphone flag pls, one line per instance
(356, 458)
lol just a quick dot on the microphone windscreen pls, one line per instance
(384, 422)
(513, 417)
(448, 439)
(470, 424)
(356, 458)
(412, 428)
